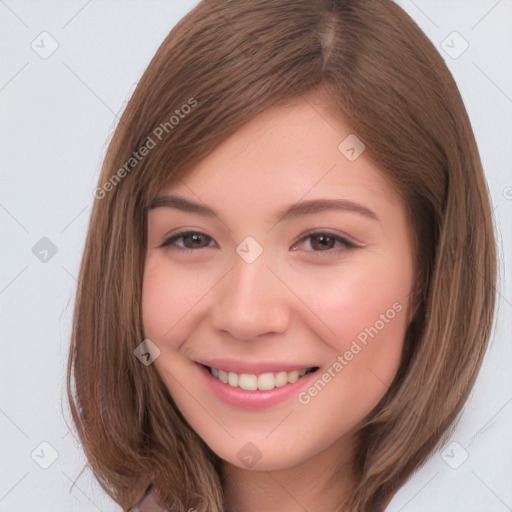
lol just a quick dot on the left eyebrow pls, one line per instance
(319, 205)
(293, 211)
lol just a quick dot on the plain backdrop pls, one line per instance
(57, 113)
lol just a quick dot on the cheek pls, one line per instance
(167, 296)
(366, 310)
(368, 313)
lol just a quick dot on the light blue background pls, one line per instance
(56, 117)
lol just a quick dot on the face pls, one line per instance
(302, 313)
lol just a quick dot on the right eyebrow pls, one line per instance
(181, 203)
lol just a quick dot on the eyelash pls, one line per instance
(310, 234)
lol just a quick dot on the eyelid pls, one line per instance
(169, 239)
(337, 236)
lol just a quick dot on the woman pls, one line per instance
(275, 312)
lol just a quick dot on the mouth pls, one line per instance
(259, 382)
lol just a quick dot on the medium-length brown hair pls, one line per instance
(232, 60)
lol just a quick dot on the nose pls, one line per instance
(250, 301)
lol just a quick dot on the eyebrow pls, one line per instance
(289, 212)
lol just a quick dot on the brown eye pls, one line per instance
(190, 240)
(324, 243)
(194, 241)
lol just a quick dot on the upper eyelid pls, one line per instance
(180, 234)
(317, 231)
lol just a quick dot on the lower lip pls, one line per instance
(254, 400)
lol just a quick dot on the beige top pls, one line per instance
(149, 502)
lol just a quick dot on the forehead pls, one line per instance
(285, 154)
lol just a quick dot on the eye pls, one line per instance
(324, 243)
(320, 242)
(190, 241)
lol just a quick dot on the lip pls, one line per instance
(254, 400)
(232, 365)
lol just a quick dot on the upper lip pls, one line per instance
(253, 367)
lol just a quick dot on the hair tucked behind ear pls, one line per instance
(384, 79)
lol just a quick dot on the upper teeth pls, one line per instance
(263, 381)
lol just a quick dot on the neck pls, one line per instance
(320, 483)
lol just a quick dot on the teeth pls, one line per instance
(248, 382)
(281, 379)
(263, 381)
(233, 379)
(293, 376)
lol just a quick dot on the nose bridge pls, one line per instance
(250, 301)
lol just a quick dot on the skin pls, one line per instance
(300, 302)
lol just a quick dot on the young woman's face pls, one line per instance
(234, 287)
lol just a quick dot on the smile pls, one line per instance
(263, 381)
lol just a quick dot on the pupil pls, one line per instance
(195, 239)
(325, 242)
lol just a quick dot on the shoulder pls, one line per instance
(149, 502)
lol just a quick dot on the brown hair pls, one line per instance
(232, 60)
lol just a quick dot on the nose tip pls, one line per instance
(250, 302)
